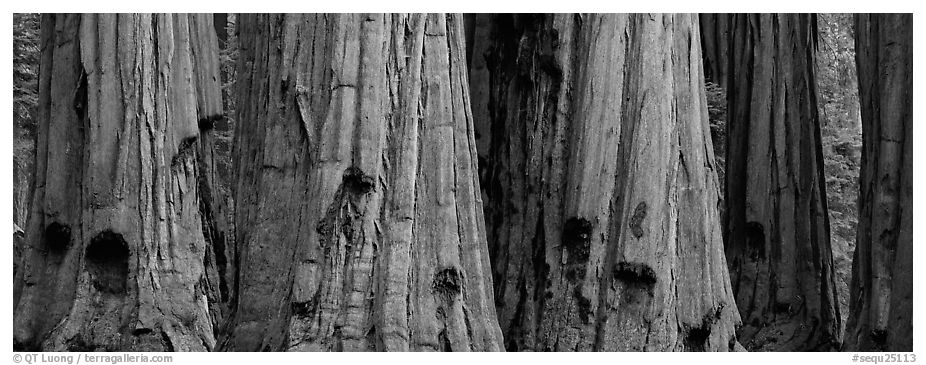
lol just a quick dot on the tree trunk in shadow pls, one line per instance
(881, 297)
(777, 230)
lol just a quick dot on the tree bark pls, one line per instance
(715, 43)
(115, 250)
(777, 229)
(219, 260)
(881, 298)
(602, 199)
(358, 211)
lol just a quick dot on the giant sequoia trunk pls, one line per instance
(358, 214)
(881, 298)
(777, 229)
(116, 249)
(602, 214)
(715, 41)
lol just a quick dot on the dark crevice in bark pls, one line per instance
(576, 239)
(80, 96)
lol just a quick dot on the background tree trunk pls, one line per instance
(777, 229)
(715, 42)
(220, 255)
(115, 248)
(604, 227)
(358, 210)
(881, 299)
(479, 43)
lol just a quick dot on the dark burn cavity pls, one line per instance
(57, 237)
(577, 233)
(635, 277)
(879, 339)
(208, 123)
(356, 182)
(636, 221)
(108, 262)
(755, 241)
(447, 283)
(696, 336)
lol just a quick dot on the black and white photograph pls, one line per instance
(462, 182)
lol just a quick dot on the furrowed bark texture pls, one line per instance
(715, 43)
(357, 203)
(881, 298)
(220, 252)
(777, 230)
(602, 200)
(115, 250)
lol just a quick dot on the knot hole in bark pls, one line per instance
(357, 182)
(447, 283)
(636, 220)
(108, 262)
(755, 241)
(57, 237)
(577, 233)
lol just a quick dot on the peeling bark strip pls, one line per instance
(357, 202)
(602, 200)
(777, 229)
(881, 298)
(115, 254)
